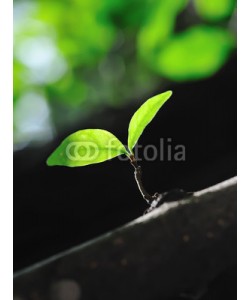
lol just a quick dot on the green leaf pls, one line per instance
(86, 147)
(195, 53)
(214, 10)
(143, 116)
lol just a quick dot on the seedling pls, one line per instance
(91, 146)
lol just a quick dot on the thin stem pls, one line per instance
(138, 178)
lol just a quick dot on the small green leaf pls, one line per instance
(86, 147)
(214, 10)
(143, 116)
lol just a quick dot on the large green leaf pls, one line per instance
(143, 116)
(86, 147)
(195, 53)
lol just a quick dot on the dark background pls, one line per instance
(56, 208)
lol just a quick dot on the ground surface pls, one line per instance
(183, 249)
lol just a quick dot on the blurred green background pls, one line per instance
(73, 57)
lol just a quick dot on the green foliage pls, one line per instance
(158, 27)
(143, 116)
(82, 55)
(195, 53)
(215, 10)
(91, 146)
(86, 147)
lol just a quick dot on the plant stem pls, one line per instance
(138, 178)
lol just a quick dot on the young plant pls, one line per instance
(91, 146)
